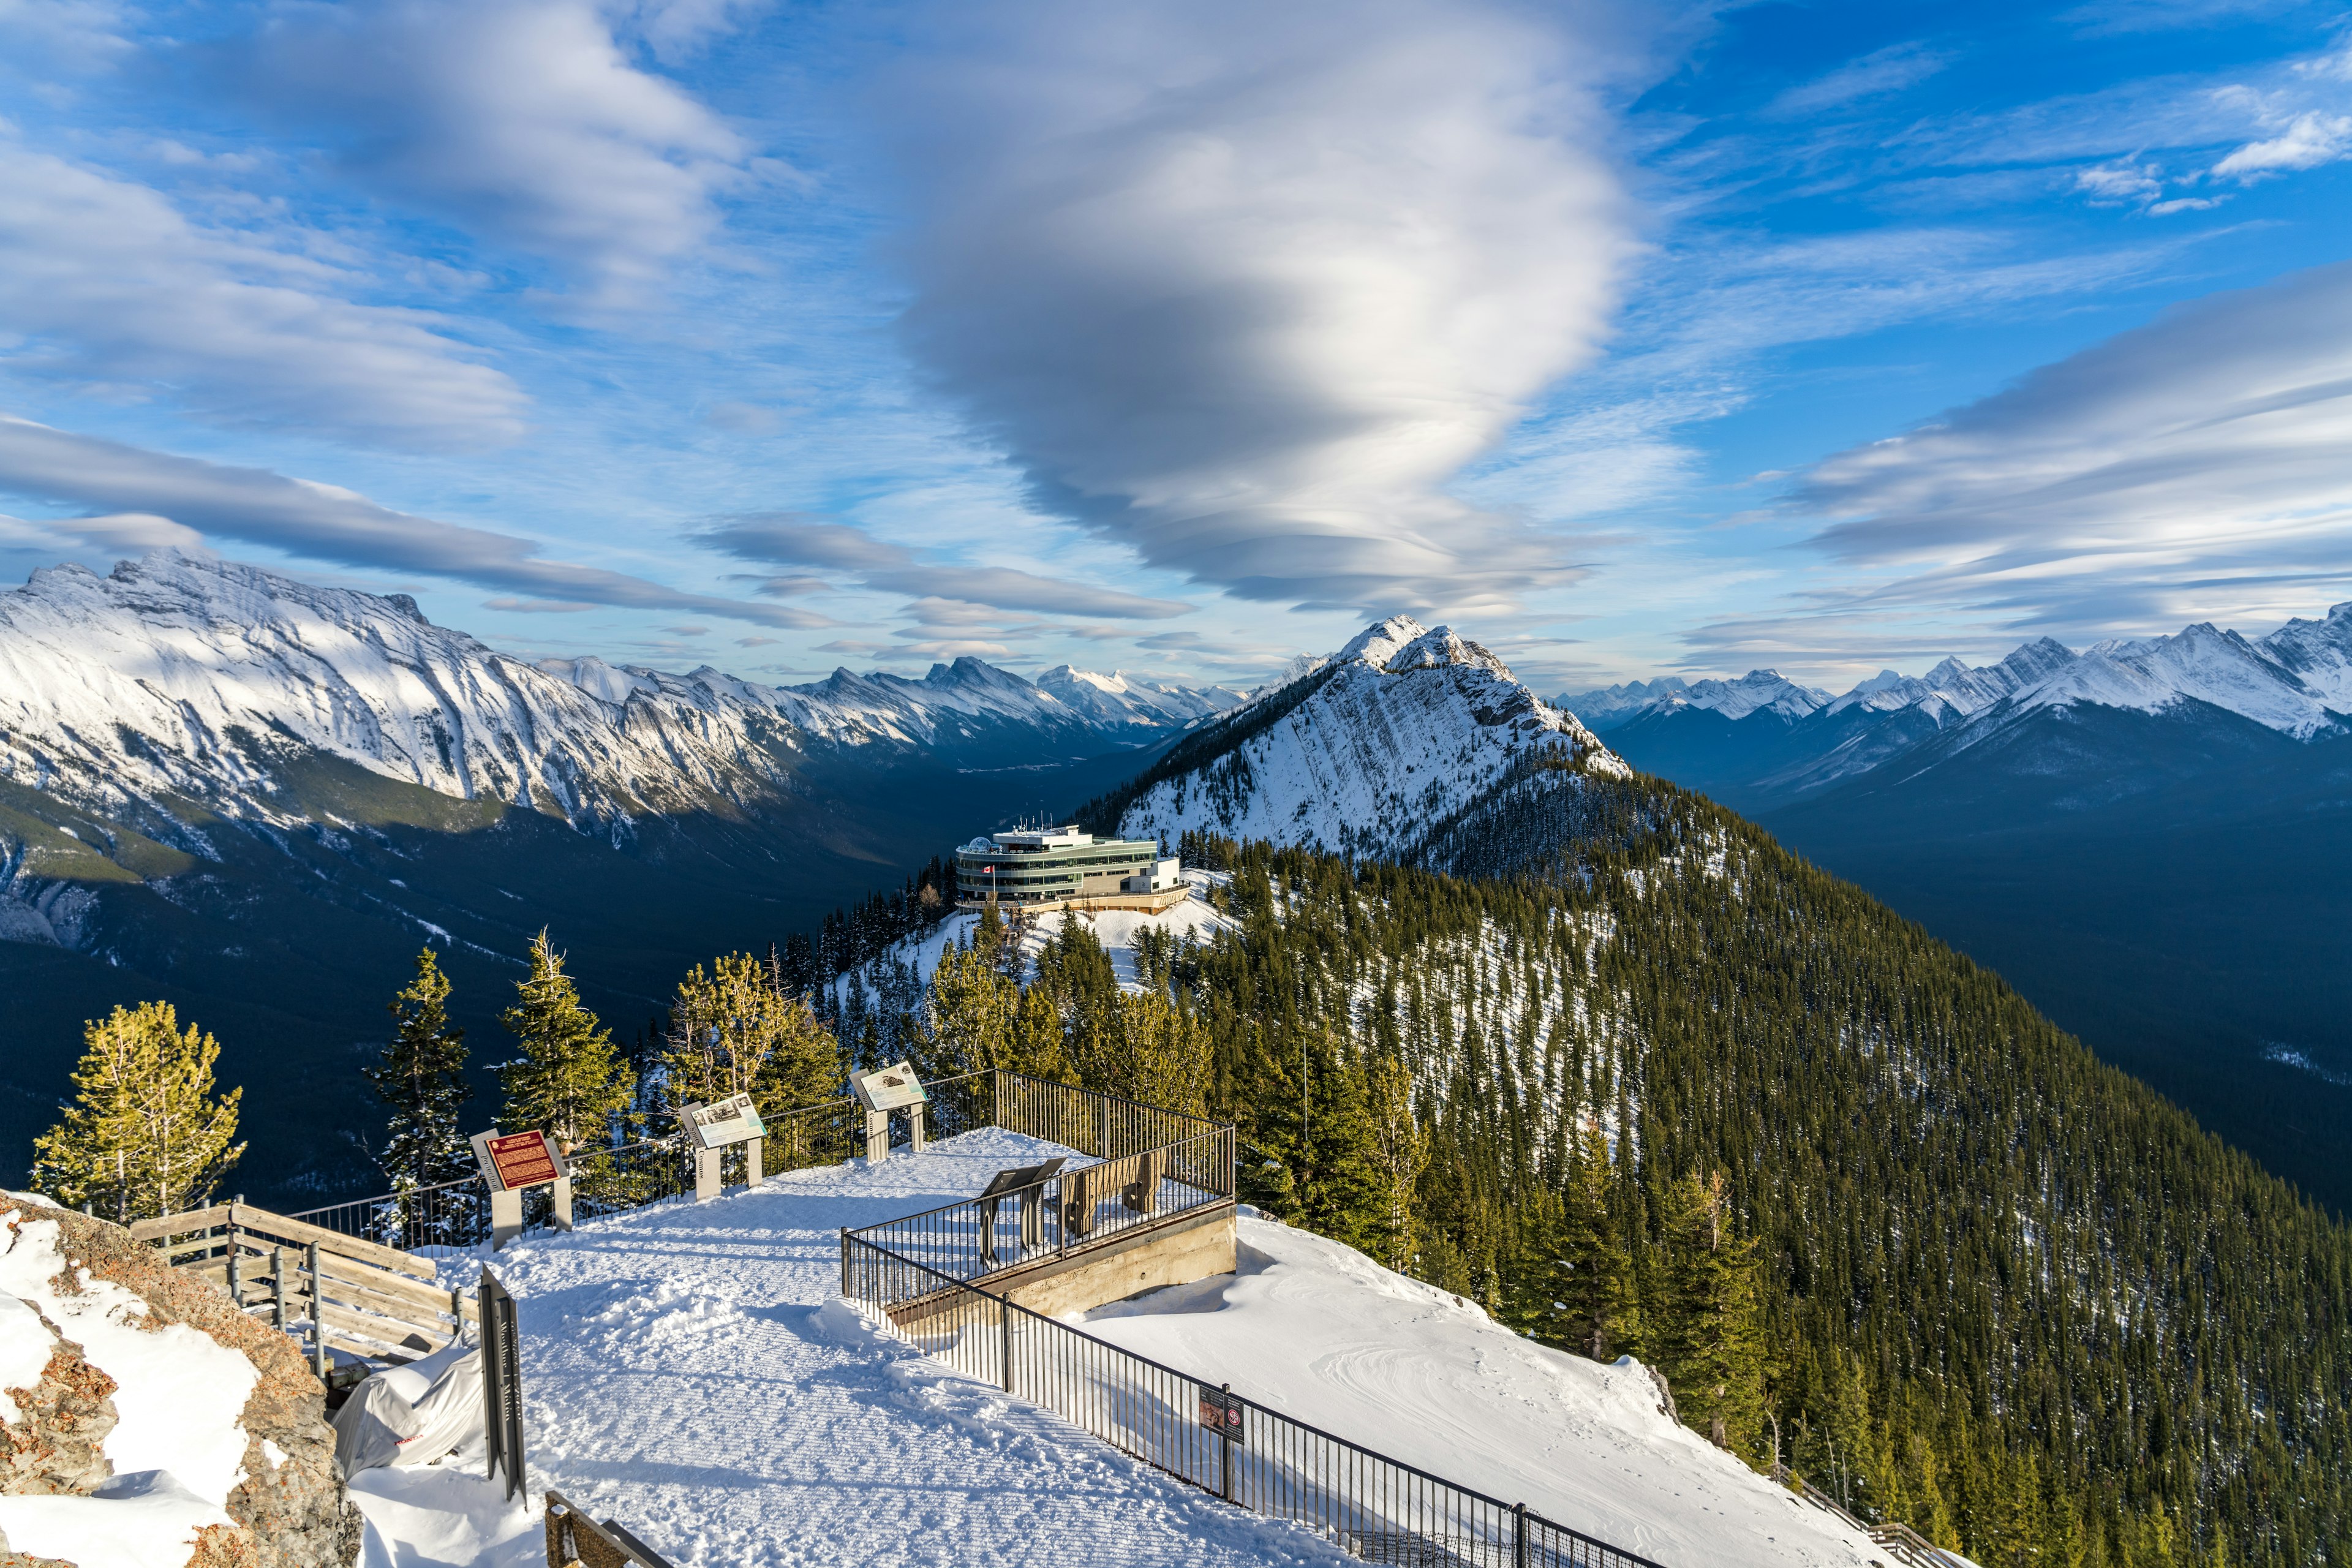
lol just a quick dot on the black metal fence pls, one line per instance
(1065, 1210)
(1375, 1508)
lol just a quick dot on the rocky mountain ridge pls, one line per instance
(1362, 754)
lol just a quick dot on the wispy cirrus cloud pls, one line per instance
(2197, 463)
(787, 540)
(1876, 75)
(324, 522)
(1244, 287)
(108, 287)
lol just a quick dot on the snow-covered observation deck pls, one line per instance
(692, 1370)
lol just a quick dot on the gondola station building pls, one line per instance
(1066, 868)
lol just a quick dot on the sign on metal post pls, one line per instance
(724, 1122)
(1221, 1412)
(512, 1162)
(501, 1383)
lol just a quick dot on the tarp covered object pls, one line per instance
(411, 1415)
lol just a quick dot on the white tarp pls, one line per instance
(411, 1415)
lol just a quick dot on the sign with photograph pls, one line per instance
(725, 1122)
(891, 1088)
(1221, 1412)
(518, 1159)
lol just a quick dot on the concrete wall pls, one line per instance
(1194, 1247)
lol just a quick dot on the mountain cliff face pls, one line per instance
(1362, 754)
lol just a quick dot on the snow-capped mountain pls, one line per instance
(2296, 682)
(189, 678)
(1364, 753)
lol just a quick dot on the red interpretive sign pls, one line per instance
(523, 1160)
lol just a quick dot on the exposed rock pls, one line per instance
(290, 1506)
(56, 1442)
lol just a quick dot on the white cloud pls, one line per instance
(789, 541)
(520, 120)
(1874, 75)
(106, 287)
(2201, 456)
(323, 522)
(2311, 139)
(1245, 287)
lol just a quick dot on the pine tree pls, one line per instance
(421, 1078)
(1400, 1154)
(570, 1081)
(144, 1137)
(733, 1030)
(1603, 1313)
(1711, 1346)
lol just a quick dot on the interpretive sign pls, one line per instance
(517, 1161)
(1221, 1412)
(724, 1122)
(891, 1088)
(513, 1161)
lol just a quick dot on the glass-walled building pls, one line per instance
(1048, 864)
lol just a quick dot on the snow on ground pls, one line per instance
(689, 1371)
(684, 1373)
(178, 1446)
(1112, 928)
(1323, 1335)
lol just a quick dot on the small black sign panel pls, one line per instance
(1221, 1412)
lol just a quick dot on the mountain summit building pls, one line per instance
(1066, 868)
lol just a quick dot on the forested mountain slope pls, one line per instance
(2007, 1294)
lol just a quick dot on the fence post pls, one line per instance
(318, 1320)
(1519, 1535)
(235, 1263)
(277, 1288)
(1005, 1329)
(1225, 1450)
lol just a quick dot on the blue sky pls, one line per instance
(1183, 337)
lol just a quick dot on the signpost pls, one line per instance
(1023, 1183)
(501, 1383)
(892, 1089)
(1221, 1412)
(712, 1129)
(512, 1163)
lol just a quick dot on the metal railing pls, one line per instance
(1375, 1508)
(1064, 1212)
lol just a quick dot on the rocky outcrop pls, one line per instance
(289, 1505)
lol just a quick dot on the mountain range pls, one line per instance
(2148, 837)
(258, 799)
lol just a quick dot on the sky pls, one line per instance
(1183, 338)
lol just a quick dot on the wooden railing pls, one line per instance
(337, 1291)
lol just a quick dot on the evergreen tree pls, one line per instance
(1603, 1314)
(570, 1081)
(734, 1030)
(144, 1135)
(421, 1078)
(1399, 1153)
(1710, 1346)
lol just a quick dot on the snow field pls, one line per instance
(689, 1371)
(1323, 1335)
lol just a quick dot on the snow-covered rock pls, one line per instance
(1366, 753)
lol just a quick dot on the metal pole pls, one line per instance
(1519, 1535)
(1004, 1320)
(278, 1291)
(318, 1320)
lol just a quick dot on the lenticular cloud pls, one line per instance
(1249, 307)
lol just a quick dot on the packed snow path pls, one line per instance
(685, 1374)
